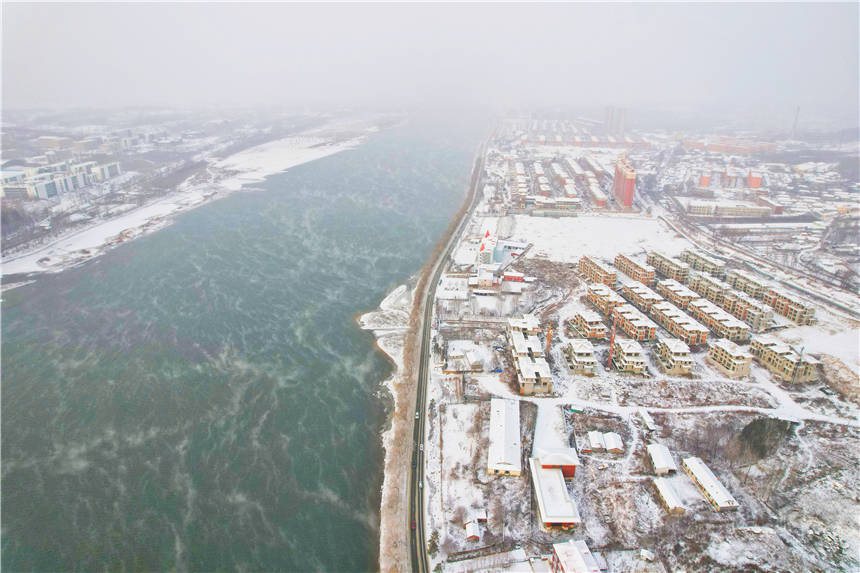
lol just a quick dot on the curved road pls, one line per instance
(417, 543)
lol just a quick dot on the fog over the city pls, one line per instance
(766, 57)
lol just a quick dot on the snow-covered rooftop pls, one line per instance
(668, 493)
(505, 446)
(575, 557)
(709, 482)
(661, 458)
(554, 502)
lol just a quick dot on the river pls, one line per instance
(202, 398)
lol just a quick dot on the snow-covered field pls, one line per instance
(227, 175)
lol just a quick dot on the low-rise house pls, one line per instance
(613, 443)
(746, 282)
(702, 262)
(595, 442)
(634, 323)
(668, 266)
(473, 531)
(676, 293)
(573, 556)
(730, 358)
(533, 375)
(640, 295)
(526, 345)
(757, 315)
(661, 459)
(528, 324)
(782, 361)
(721, 322)
(789, 306)
(555, 507)
(589, 324)
(669, 496)
(628, 356)
(564, 459)
(504, 453)
(709, 287)
(596, 271)
(636, 270)
(580, 357)
(679, 324)
(714, 491)
(674, 356)
(604, 298)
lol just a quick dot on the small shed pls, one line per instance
(661, 459)
(595, 441)
(613, 443)
(473, 531)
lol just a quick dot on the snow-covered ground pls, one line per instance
(227, 175)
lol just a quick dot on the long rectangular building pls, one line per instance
(782, 361)
(702, 262)
(589, 324)
(634, 323)
(557, 510)
(714, 491)
(789, 306)
(640, 295)
(635, 269)
(504, 454)
(669, 496)
(730, 358)
(752, 286)
(595, 271)
(709, 287)
(722, 323)
(676, 293)
(679, 324)
(604, 298)
(754, 313)
(668, 266)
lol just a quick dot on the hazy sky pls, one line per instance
(754, 55)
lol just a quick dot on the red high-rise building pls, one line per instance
(625, 182)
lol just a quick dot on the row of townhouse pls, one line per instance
(754, 313)
(709, 287)
(782, 361)
(635, 324)
(674, 356)
(640, 295)
(668, 266)
(751, 285)
(595, 271)
(679, 324)
(635, 269)
(701, 262)
(676, 293)
(580, 357)
(722, 323)
(628, 356)
(533, 372)
(604, 298)
(589, 324)
(729, 358)
(789, 306)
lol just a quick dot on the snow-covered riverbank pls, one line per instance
(224, 176)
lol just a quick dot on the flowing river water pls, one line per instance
(202, 398)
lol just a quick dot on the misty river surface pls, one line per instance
(202, 398)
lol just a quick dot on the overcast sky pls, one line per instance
(751, 55)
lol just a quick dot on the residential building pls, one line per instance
(525, 345)
(589, 324)
(604, 298)
(528, 324)
(783, 361)
(580, 357)
(702, 262)
(757, 315)
(640, 295)
(628, 356)
(745, 282)
(555, 507)
(709, 287)
(634, 323)
(635, 269)
(533, 375)
(714, 491)
(613, 443)
(668, 495)
(661, 459)
(624, 183)
(674, 356)
(729, 358)
(504, 453)
(789, 306)
(668, 266)
(597, 272)
(564, 459)
(679, 324)
(595, 442)
(573, 556)
(722, 323)
(676, 293)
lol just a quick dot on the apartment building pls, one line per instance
(668, 266)
(782, 361)
(674, 356)
(721, 322)
(640, 295)
(636, 270)
(589, 324)
(635, 324)
(580, 357)
(528, 324)
(729, 358)
(757, 315)
(679, 324)
(709, 287)
(789, 306)
(533, 375)
(676, 293)
(743, 281)
(595, 271)
(604, 298)
(702, 262)
(628, 356)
